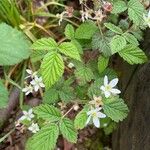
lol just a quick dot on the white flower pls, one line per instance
(70, 65)
(97, 101)
(95, 114)
(34, 128)
(147, 18)
(108, 88)
(31, 73)
(37, 83)
(27, 89)
(27, 115)
(85, 15)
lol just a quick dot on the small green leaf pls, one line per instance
(81, 118)
(78, 46)
(115, 108)
(102, 63)
(117, 43)
(66, 94)
(101, 43)
(52, 68)
(133, 55)
(3, 95)
(135, 11)
(119, 7)
(69, 49)
(14, 46)
(48, 112)
(44, 44)
(68, 130)
(51, 96)
(69, 32)
(113, 28)
(45, 139)
(86, 30)
(84, 74)
(131, 39)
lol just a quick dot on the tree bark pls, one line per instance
(134, 132)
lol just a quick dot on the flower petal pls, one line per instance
(96, 122)
(107, 94)
(102, 88)
(105, 81)
(149, 14)
(101, 115)
(88, 120)
(115, 91)
(113, 82)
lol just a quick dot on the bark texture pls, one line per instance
(134, 132)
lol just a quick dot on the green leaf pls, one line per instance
(102, 44)
(78, 46)
(113, 28)
(86, 30)
(115, 108)
(68, 130)
(131, 39)
(44, 44)
(119, 7)
(81, 118)
(52, 68)
(94, 89)
(102, 63)
(66, 94)
(51, 96)
(69, 32)
(69, 49)
(14, 46)
(45, 139)
(110, 128)
(133, 55)
(117, 43)
(84, 74)
(48, 112)
(3, 95)
(135, 11)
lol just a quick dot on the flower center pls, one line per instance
(94, 114)
(108, 87)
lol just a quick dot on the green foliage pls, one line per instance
(51, 96)
(135, 11)
(117, 43)
(44, 44)
(84, 74)
(3, 96)
(68, 130)
(133, 55)
(45, 139)
(47, 112)
(69, 32)
(113, 28)
(131, 39)
(110, 128)
(101, 43)
(119, 6)
(52, 68)
(86, 30)
(115, 108)
(81, 118)
(60, 91)
(69, 49)
(102, 63)
(14, 47)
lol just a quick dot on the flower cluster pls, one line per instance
(68, 13)
(108, 90)
(28, 115)
(35, 84)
